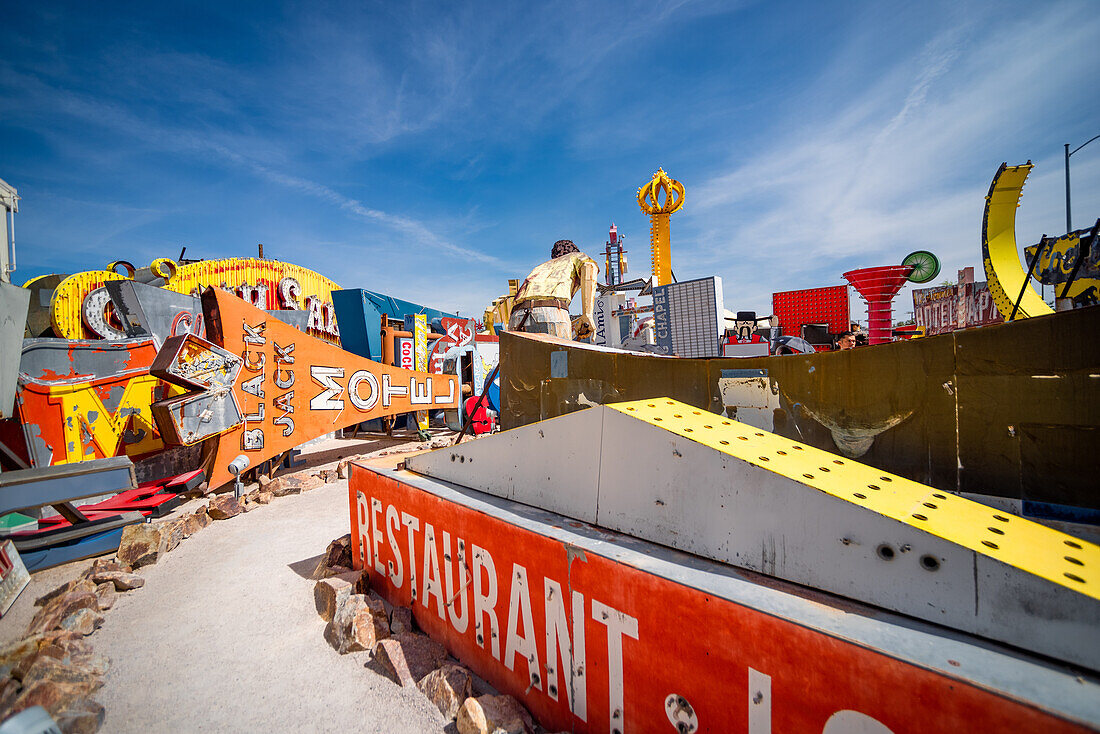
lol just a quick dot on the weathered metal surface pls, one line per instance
(192, 362)
(79, 310)
(949, 307)
(944, 411)
(673, 474)
(69, 300)
(31, 488)
(13, 318)
(38, 316)
(147, 310)
(295, 387)
(595, 631)
(82, 400)
(1075, 254)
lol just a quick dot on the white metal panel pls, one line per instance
(553, 464)
(606, 467)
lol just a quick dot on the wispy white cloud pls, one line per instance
(902, 166)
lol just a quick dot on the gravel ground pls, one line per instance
(224, 636)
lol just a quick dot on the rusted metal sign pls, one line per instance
(82, 400)
(294, 387)
(597, 632)
(80, 304)
(951, 307)
(194, 363)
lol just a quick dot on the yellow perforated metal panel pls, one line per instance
(1011, 539)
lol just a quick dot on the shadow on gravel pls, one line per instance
(306, 566)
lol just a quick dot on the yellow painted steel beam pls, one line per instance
(1029, 546)
(1000, 254)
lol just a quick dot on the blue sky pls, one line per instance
(432, 151)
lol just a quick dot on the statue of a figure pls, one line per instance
(542, 301)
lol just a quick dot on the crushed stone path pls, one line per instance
(224, 636)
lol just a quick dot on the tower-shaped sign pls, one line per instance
(658, 208)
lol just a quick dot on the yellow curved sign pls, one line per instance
(79, 308)
(1000, 254)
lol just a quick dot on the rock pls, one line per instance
(224, 507)
(370, 625)
(263, 480)
(106, 595)
(362, 582)
(9, 691)
(173, 532)
(358, 623)
(401, 620)
(283, 486)
(83, 716)
(311, 482)
(342, 469)
(141, 545)
(105, 564)
(51, 669)
(410, 657)
(199, 520)
(447, 688)
(17, 650)
(329, 476)
(493, 714)
(336, 571)
(329, 594)
(78, 584)
(264, 498)
(84, 621)
(389, 654)
(338, 631)
(49, 617)
(122, 581)
(94, 662)
(338, 552)
(52, 696)
(246, 504)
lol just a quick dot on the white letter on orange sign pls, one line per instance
(376, 535)
(618, 624)
(361, 521)
(359, 402)
(486, 603)
(433, 585)
(760, 702)
(458, 621)
(255, 334)
(417, 396)
(450, 397)
(571, 651)
(413, 524)
(519, 602)
(853, 722)
(328, 399)
(393, 523)
(389, 391)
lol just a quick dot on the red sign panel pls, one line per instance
(827, 305)
(590, 644)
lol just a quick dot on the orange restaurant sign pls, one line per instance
(594, 637)
(294, 387)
